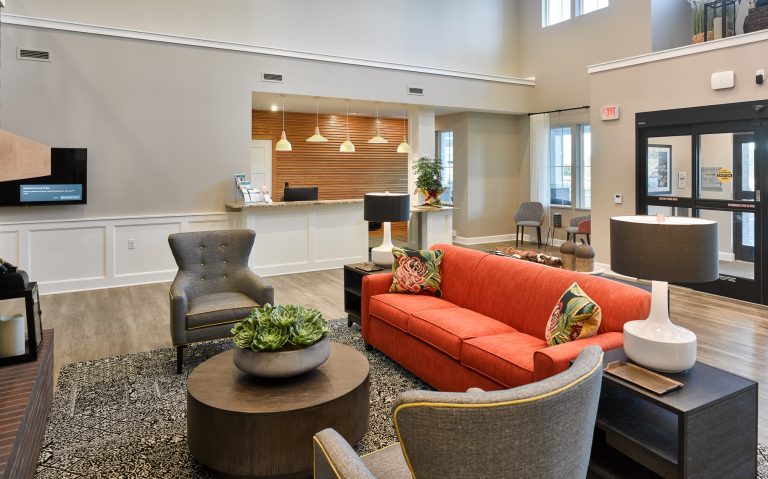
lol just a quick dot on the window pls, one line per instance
(585, 192)
(444, 149)
(570, 166)
(556, 11)
(588, 6)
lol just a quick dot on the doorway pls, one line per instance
(261, 164)
(708, 162)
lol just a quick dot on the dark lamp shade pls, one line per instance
(386, 207)
(679, 250)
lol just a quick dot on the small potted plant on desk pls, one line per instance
(429, 179)
(281, 341)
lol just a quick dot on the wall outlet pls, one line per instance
(618, 199)
(131, 244)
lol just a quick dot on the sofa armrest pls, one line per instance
(335, 458)
(373, 284)
(556, 359)
(179, 307)
(255, 287)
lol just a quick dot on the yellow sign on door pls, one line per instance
(724, 175)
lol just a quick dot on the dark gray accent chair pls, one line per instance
(214, 287)
(531, 214)
(541, 430)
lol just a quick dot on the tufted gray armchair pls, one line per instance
(530, 213)
(214, 286)
(542, 430)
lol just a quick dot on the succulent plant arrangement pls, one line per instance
(280, 328)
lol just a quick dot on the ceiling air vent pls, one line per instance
(36, 55)
(412, 90)
(273, 77)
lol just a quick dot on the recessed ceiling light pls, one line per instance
(273, 107)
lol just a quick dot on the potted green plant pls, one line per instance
(429, 179)
(281, 341)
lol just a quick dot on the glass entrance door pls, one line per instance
(710, 171)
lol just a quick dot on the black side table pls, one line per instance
(708, 428)
(353, 291)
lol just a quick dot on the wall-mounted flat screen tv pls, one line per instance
(66, 185)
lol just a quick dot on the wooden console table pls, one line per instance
(26, 391)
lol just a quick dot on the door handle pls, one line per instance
(757, 195)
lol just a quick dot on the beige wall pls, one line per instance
(674, 83)
(486, 169)
(429, 33)
(166, 126)
(558, 55)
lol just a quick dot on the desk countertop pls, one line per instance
(239, 205)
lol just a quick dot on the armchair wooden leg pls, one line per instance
(179, 358)
(538, 234)
(588, 241)
(517, 235)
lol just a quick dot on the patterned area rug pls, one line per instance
(126, 416)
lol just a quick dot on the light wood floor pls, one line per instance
(101, 323)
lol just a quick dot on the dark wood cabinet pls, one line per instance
(353, 291)
(706, 429)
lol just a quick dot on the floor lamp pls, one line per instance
(662, 249)
(385, 208)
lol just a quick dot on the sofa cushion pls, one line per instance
(416, 271)
(218, 308)
(575, 316)
(395, 309)
(501, 288)
(507, 358)
(446, 329)
(457, 270)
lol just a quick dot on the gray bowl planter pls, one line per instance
(283, 364)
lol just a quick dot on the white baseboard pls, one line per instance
(483, 239)
(722, 256)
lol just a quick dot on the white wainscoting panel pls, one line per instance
(299, 238)
(9, 246)
(63, 254)
(74, 255)
(151, 252)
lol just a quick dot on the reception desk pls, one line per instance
(300, 236)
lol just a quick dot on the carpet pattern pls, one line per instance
(126, 416)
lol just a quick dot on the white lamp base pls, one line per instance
(656, 343)
(382, 255)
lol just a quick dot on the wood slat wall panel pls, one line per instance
(338, 175)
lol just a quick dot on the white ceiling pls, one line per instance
(335, 106)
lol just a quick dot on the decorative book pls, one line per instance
(642, 377)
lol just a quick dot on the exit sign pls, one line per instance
(610, 112)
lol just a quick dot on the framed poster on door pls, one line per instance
(659, 169)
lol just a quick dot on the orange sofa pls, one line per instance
(487, 330)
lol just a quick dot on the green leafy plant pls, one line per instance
(429, 174)
(283, 327)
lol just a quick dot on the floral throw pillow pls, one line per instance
(575, 316)
(416, 272)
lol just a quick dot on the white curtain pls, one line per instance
(539, 148)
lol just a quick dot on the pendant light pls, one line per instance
(378, 138)
(317, 137)
(283, 144)
(347, 146)
(404, 147)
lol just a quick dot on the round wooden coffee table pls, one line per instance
(240, 425)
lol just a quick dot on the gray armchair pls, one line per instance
(542, 430)
(530, 213)
(214, 286)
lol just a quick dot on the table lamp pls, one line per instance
(385, 208)
(663, 249)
